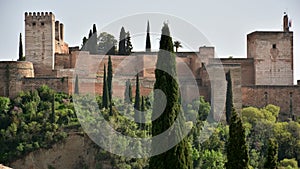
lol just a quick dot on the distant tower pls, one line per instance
(148, 42)
(272, 52)
(40, 41)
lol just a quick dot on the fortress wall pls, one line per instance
(10, 73)
(247, 66)
(283, 96)
(57, 84)
(62, 61)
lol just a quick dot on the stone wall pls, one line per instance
(286, 97)
(10, 73)
(57, 84)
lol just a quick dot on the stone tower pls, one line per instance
(40, 41)
(273, 55)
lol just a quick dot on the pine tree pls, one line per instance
(137, 106)
(148, 41)
(21, 56)
(272, 156)
(76, 88)
(122, 42)
(178, 156)
(229, 102)
(128, 92)
(109, 78)
(128, 44)
(237, 151)
(105, 97)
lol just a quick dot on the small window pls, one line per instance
(274, 46)
(33, 24)
(42, 23)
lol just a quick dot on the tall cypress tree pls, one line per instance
(122, 42)
(137, 105)
(237, 151)
(272, 156)
(21, 57)
(93, 41)
(128, 47)
(143, 118)
(109, 78)
(178, 156)
(76, 88)
(148, 41)
(105, 97)
(128, 92)
(229, 99)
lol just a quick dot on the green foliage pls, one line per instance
(166, 80)
(128, 47)
(76, 88)
(212, 160)
(21, 56)
(122, 40)
(272, 155)
(229, 97)
(105, 94)
(28, 123)
(177, 44)
(289, 163)
(137, 104)
(109, 79)
(148, 41)
(107, 43)
(237, 151)
(128, 92)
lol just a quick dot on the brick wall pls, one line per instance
(282, 96)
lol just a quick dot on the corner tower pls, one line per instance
(272, 53)
(40, 41)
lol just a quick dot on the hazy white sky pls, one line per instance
(224, 23)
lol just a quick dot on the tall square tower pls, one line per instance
(40, 41)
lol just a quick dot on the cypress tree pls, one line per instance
(148, 41)
(128, 92)
(21, 57)
(76, 88)
(137, 106)
(272, 156)
(128, 44)
(93, 41)
(109, 78)
(84, 40)
(237, 151)
(143, 118)
(229, 102)
(52, 117)
(122, 42)
(105, 97)
(178, 156)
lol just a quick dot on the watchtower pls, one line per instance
(40, 41)
(272, 52)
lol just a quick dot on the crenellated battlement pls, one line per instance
(39, 17)
(38, 14)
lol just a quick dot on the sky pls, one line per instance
(222, 24)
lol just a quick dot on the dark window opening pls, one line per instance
(266, 98)
(42, 23)
(274, 46)
(33, 24)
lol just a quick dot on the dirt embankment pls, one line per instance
(75, 152)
